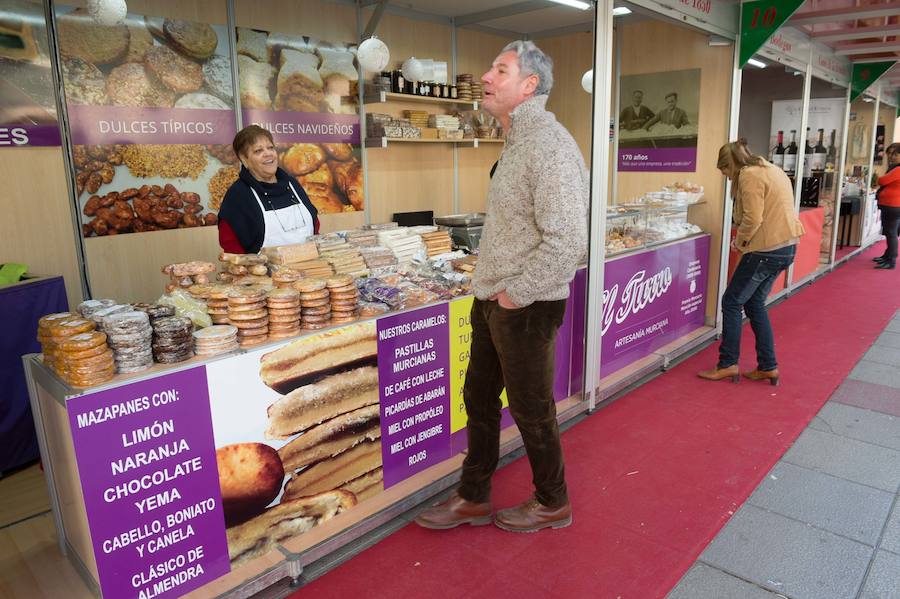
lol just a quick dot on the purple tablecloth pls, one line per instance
(21, 306)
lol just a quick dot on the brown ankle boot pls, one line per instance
(717, 374)
(453, 512)
(762, 375)
(532, 516)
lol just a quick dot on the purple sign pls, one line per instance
(306, 127)
(104, 125)
(652, 298)
(414, 389)
(147, 464)
(658, 159)
(20, 136)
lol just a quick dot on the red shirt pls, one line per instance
(889, 188)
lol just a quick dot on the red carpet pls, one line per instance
(654, 476)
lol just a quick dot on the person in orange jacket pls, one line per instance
(888, 196)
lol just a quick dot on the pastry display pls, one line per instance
(130, 336)
(214, 340)
(247, 312)
(173, 339)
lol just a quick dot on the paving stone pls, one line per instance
(835, 504)
(788, 557)
(883, 355)
(853, 460)
(706, 582)
(894, 325)
(888, 339)
(883, 581)
(891, 540)
(856, 423)
(869, 396)
(880, 374)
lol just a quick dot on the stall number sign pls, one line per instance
(760, 20)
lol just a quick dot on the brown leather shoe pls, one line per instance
(717, 374)
(453, 512)
(762, 375)
(532, 516)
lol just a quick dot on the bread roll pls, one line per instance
(250, 476)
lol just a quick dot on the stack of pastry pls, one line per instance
(417, 118)
(242, 268)
(284, 313)
(291, 255)
(217, 304)
(186, 274)
(98, 315)
(215, 340)
(173, 339)
(285, 277)
(247, 311)
(154, 311)
(477, 91)
(313, 268)
(315, 303)
(464, 87)
(346, 259)
(344, 299)
(362, 238)
(200, 292)
(438, 242)
(130, 336)
(48, 345)
(378, 257)
(85, 359)
(88, 307)
(402, 242)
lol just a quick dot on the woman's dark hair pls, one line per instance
(248, 136)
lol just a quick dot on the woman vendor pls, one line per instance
(266, 206)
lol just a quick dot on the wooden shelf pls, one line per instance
(380, 97)
(383, 142)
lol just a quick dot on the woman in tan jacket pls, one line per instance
(767, 235)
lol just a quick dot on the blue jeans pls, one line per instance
(748, 289)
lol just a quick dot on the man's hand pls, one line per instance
(504, 301)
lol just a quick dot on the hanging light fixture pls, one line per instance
(107, 12)
(373, 55)
(587, 81)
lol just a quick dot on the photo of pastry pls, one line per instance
(331, 174)
(26, 83)
(305, 443)
(296, 73)
(145, 61)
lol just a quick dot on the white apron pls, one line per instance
(292, 224)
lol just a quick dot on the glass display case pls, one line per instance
(636, 226)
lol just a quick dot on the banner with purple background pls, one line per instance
(652, 298)
(147, 464)
(105, 125)
(414, 389)
(306, 127)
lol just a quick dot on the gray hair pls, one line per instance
(533, 61)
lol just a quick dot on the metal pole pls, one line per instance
(839, 180)
(801, 152)
(603, 35)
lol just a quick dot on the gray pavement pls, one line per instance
(825, 521)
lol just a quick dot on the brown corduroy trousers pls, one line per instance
(515, 349)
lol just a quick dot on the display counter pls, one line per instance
(806, 261)
(226, 474)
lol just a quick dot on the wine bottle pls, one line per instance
(819, 155)
(778, 151)
(830, 161)
(790, 155)
(807, 156)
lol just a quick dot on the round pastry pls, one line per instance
(286, 334)
(129, 85)
(315, 303)
(248, 315)
(344, 320)
(86, 353)
(347, 295)
(280, 326)
(139, 41)
(236, 308)
(65, 328)
(286, 294)
(196, 40)
(84, 83)
(179, 74)
(242, 325)
(102, 313)
(253, 341)
(245, 295)
(324, 309)
(309, 286)
(344, 289)
(344, 310)
(288, 305)
(80, 37)
(289, 318)
(88, 307)
(349, 301)
(126, 322)
(284, 311)
(316, 317)
(98, 362)
(339, 281)
(314, 326)
(220, 292)
(201, 100)
(45, 321)
(302, 159)
(173, 324)
(166, 358)
(214, 333)
(217, 76)
(133, 369)
(83, 341)
(340, 152)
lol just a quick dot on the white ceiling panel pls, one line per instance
(543, 20)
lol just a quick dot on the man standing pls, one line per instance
(636, 115)
(535, 235)
(670, 115)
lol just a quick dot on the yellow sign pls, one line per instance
(460, 346)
